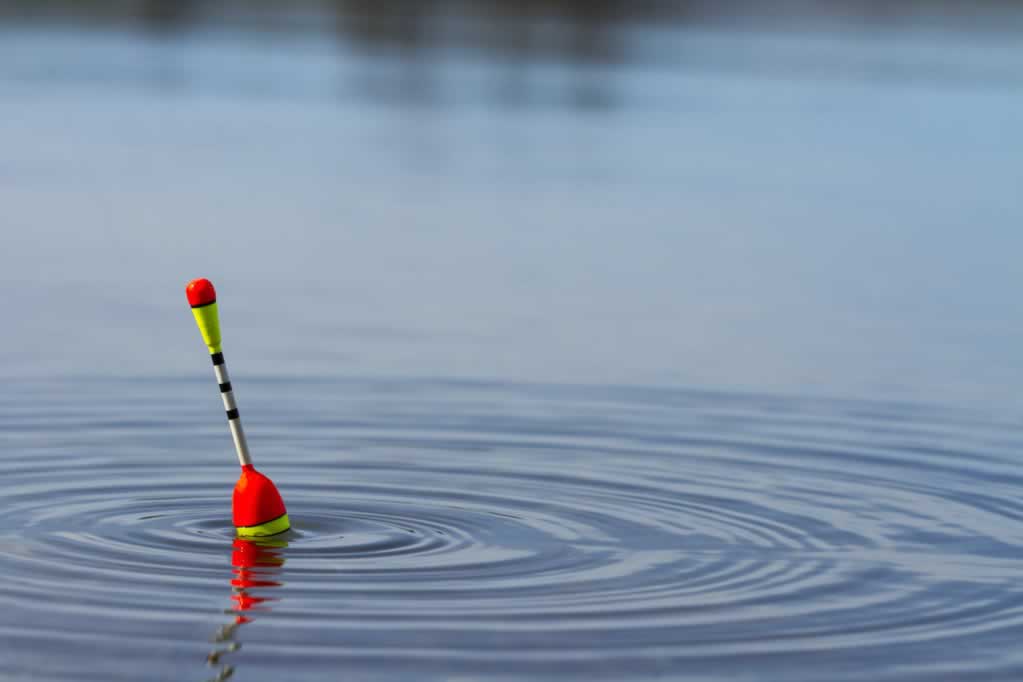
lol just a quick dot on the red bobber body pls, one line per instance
(256, 501)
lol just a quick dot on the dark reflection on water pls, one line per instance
(416, 21)
(407, 46)
(584, 31)
(169, 17)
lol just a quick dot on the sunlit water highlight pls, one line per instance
(460, 530)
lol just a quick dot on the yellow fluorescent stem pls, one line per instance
(209, 324)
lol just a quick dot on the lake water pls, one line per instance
(699, 362)
(459, 530)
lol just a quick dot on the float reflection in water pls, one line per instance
(256, 565)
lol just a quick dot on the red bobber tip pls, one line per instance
(200, 292)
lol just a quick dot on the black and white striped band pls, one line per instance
(231, 408)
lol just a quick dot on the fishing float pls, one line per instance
(256, 506)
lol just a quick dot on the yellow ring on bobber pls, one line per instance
(275, 527)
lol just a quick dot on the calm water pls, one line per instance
(828, 213)
(534, 346)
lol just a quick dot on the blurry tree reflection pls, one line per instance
(168, 16)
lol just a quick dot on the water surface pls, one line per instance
(829, 212)
(466, 530)
(681, 351)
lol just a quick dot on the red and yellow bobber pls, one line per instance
(257, 507)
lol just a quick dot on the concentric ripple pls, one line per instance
(466, 531)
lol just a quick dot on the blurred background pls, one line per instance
(820, 198)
